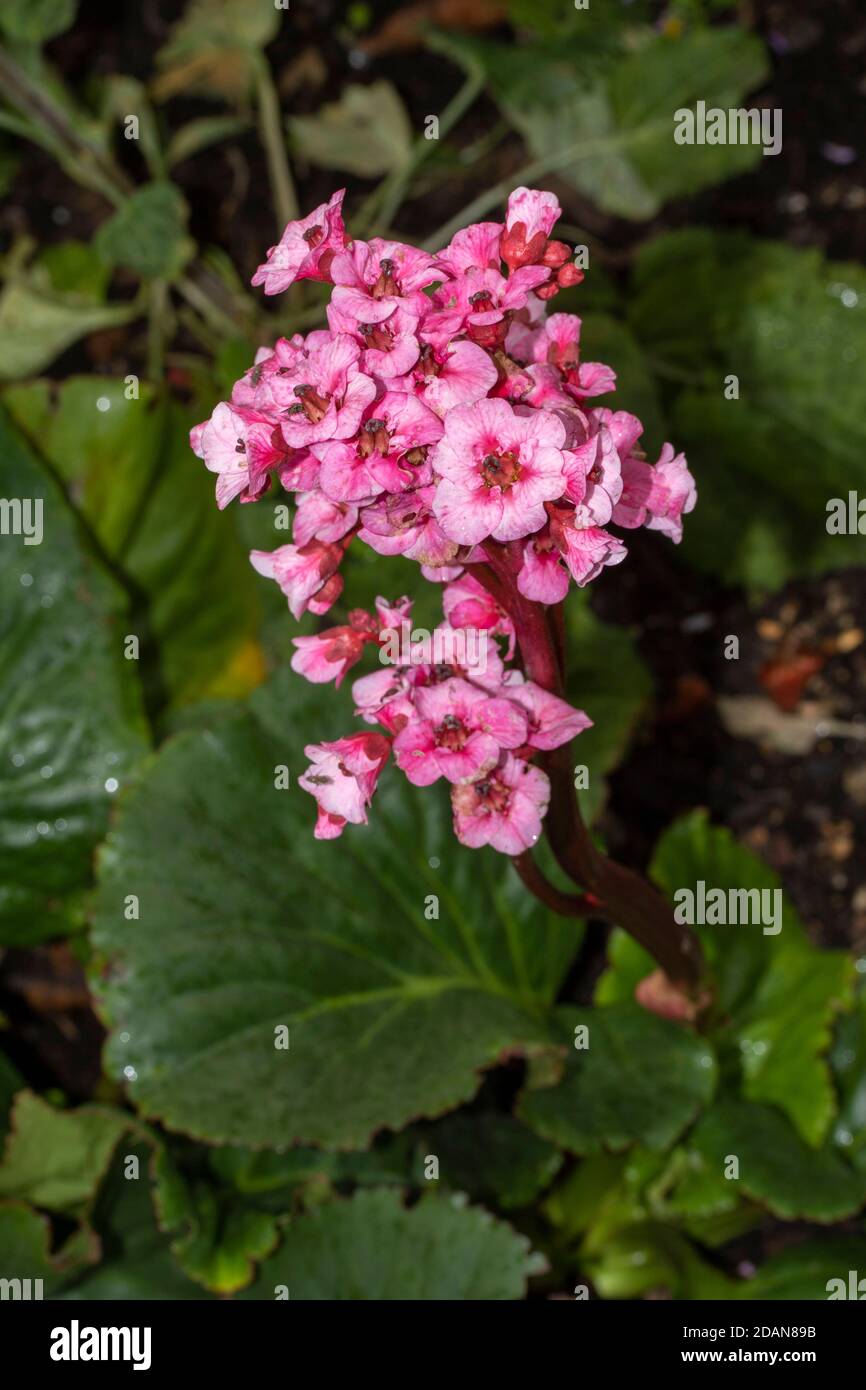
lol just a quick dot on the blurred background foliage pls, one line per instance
(147, 162)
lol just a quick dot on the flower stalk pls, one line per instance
(621, 894)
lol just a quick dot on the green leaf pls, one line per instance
(493, 1157)
(776, 1167)
(36, 21)
(795, 438)
(56, 1158)
(26, 1252)
(136, 1260)
(218, 1237)
(71, 726)
(848, 1060)
(367, 132)
(74, 268)
(373, 1249)
(147, 234)
(106, 449)
(37, 324)
(639, 1079)
(615, 109)
(249, 924)
(215, 50)
(128, 467)
(646, 1257)
(805, 1271)
(187, 557)
(606, 678)
(777, 994)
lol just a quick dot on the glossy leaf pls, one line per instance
(634, 1078)
(248, 926)
(71, 726)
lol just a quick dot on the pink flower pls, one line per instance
(317, 518)
(451, 652)
(306, 574)
(305, 249)
(241, 448)
(372, 278)
(466, 603)
(440, 416)
(585, 549)
(325, 393)
(592, 468)
(592, 379)
(504, 808)
(478, 302)
(382, 697)
(542, 578)
(498, 469)
(458, 734)
(551, 721)
(389, 346)
(625, 429)
(342, 777)
(656, 497)
(458, 375)
(472, 247)
(329, 655)
(403, 524)
(529, 220)
(389, 454)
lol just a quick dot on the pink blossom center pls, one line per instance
(386, 285)
(500, 470)
(376, 335)
(451, 733)
(489, 797)
(310, 403)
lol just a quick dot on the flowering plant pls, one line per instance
(445, 416)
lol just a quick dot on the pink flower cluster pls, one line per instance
(442, 415)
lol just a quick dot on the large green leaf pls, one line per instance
(127, 464)
(637, 1079)
(372, 1248)
(70, 715)
(247, 924)
(614, 108)
(767, 463)
(777, 995)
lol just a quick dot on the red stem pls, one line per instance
(626, 896)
